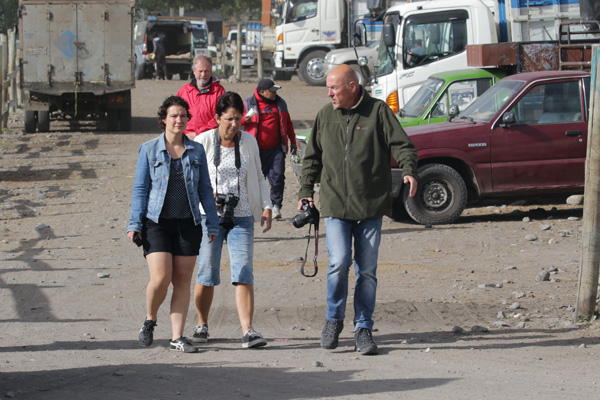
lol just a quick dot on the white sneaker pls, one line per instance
(276, 213)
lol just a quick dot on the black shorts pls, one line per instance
(179, 237)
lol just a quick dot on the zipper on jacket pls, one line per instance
(346, 150)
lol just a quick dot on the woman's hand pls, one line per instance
(211, 238)
(131, 234)
(267, 216)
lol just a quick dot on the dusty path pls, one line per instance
(67, 333)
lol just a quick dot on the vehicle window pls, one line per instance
(550, 104)
(200, 36)
(490, 102)
(441, 107)
(429, 37)
(298, 10)
(385, 61)
(424, 96)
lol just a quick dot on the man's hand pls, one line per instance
(413, 184)
(310, 202)
(293, 148)
(266, 217)
(211, 238)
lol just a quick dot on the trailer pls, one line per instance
(77, 61)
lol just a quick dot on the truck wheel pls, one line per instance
(441, 196)
(311, 68)
(183, 76)
(169, 76)
(43, 121)
(125, 120)
(30, 121)
(112, 120)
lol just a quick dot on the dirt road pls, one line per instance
(72, 292)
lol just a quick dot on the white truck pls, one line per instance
(423, 38)
(78, 61)
(307, 29)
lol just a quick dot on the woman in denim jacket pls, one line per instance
(171, 180)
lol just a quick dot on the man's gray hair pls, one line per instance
(201, 57)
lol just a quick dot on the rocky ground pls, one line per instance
(462, 312)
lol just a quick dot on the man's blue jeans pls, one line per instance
(367, 236)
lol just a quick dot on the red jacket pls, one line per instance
(286, 127)
(202, 105)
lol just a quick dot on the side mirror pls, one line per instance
(362, 61)
(508, 119)
(453, 112)
(389, 35)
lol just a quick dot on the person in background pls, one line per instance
(268, 120)
(242, 196)
(202, 94)
(350, 148)
(416, 53)
(171, 179)
(160, 61)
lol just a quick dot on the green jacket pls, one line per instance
(351, 151)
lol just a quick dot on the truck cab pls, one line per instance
(423, 38)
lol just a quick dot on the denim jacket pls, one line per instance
(152, 179)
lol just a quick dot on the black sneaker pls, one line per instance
(364, 342)
(200, 334)
(146, 336)
(183, 344)
(330, 334)
(253, 339)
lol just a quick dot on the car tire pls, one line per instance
(30, 121)
(312, 70)
(441, 196)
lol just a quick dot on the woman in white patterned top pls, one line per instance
(242, 197)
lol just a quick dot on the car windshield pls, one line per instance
(200, 36)
(298, 10)
(484, 108)
(424, 96)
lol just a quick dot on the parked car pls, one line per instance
(526, 135)
(338, 57)
(431, 103)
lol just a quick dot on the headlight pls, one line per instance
(330, 59)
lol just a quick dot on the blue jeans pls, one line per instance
(240, 243)
(367, 236)
(273, 168)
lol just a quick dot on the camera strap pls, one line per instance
(316, 252)
(217, 158)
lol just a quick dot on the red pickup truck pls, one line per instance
(527, 135)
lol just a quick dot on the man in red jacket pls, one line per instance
(202, 94)
(267, 119)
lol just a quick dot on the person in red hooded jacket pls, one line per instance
(268, 120)
(202, 94)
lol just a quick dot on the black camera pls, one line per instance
(308, 215)
(137, 239)
(227, 203)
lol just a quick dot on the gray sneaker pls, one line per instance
(253, 339)
(330, 334)
(364, 342)
(276, 212)
(183, 344)
(200, 334)
(146, 336)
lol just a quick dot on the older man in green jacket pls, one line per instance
(350, 147)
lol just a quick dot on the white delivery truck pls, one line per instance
(423, 38)
(307, 29)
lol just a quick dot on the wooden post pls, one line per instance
(3, 83)
(259, 62)
(238, 57)
(12, 42)
(590, 253)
